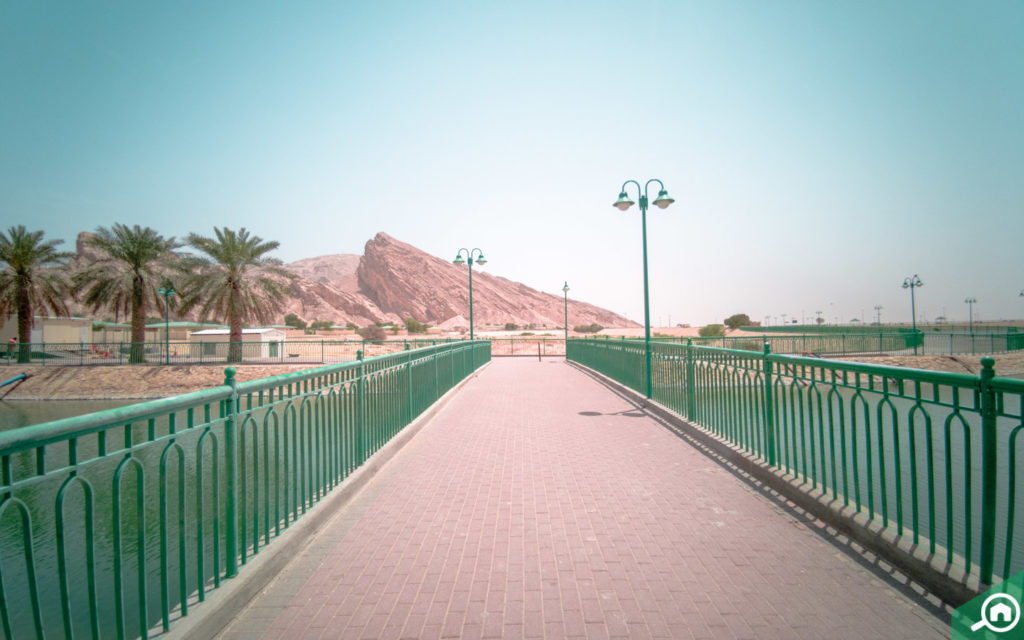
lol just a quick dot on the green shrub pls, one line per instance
(292, 320)
(587, 328)
(412, 325)
(712, 331)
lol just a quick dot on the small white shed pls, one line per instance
(257, 344)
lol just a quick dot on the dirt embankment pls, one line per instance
(1007, 364)
(125, 382)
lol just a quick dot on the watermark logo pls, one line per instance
(994, 614)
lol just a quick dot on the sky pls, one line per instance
(818, 152)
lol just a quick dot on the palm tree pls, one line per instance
(25, 284)
(236, 280)
(132, 265)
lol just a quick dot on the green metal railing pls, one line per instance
(930, 454)
(111, 522)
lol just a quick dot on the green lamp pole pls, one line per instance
(565, 293)
(169, 291)
(623, 203)
(970, 312)
(913, 282)
(480, 260)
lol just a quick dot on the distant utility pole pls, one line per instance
(878, 314)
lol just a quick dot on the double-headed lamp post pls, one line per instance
(565, 292)
(913, 282)
(167, 292)
(478, 256)
(878, 314)
(662, 201)
(970, 312)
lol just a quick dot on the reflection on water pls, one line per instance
(22, 413)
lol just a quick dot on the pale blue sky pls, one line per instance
(818, 152)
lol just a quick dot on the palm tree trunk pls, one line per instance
(138, 349)
(235, 339)
(24, 325)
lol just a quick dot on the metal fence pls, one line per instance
(932, 455)
(836, 344)
(110, 522)
(335, 351)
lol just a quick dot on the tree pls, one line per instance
(235, 280)
(587, 328)
(819, 320)
(511, 326)
(372, 332)
(292, 320)
(133, 263)
(737, 320)
(412, 325)
(712, 331)
(26, 284)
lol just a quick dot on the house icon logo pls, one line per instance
(1000, 613)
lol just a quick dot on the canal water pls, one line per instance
(22, 413)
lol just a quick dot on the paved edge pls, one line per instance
(949, 583)
(223, 605)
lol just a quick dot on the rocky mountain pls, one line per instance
(393, 280)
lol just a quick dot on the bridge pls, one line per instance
(436, 493)
(539, 503)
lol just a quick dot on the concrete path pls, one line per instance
(539, 504)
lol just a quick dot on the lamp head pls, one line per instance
(458, 260)
(623, 202)
(663, 200)
(481, 260)
(565, 288)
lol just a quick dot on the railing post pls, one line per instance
(769, 407)
(408, 380)
(231, 470)
(361, 399)
(989, 470)
(691, 384)
(437, 380)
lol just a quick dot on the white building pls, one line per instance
(257, 344)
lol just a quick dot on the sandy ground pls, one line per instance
(154, 381)
(117, 382)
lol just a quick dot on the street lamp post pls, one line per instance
(478, 256)
(565, 292)
(970, 312)
(913, 282)
(623, 203)
(878, 314)
(166, 292)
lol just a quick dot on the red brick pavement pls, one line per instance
(540, 504)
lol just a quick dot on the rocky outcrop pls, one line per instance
(404, 281)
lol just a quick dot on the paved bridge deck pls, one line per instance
(538, 503)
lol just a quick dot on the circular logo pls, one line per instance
(1000, 613)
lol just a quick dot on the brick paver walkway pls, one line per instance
(540, 504)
